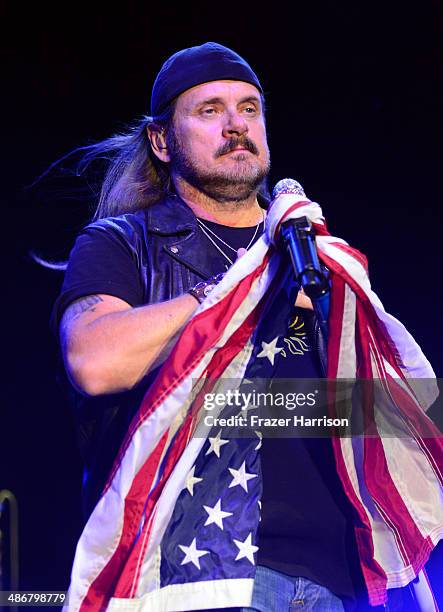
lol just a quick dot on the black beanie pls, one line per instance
(197, 65)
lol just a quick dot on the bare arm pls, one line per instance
(108, 346)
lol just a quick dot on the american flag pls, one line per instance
(175, 528)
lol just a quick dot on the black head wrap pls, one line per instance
(194, 66)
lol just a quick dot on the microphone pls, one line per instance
(298, 236)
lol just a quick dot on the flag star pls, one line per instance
(246, 549)
(215, 444)
(270, 350)
(191, 480)
(260, 438)
(192, 555)
(216, 515)
(241, 477)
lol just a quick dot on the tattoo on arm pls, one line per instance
(83, 304)
(78, 307)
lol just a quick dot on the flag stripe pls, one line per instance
(377, 476)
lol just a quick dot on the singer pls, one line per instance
(266, 525)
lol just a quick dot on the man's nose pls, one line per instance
(235, 125)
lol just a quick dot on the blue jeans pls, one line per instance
(277, 592)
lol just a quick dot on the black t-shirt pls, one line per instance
(305, 529)
(100, 262)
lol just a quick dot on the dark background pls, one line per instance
(354, 96)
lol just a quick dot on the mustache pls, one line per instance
(233, 143)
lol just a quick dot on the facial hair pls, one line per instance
(235, 185)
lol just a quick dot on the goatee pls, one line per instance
(235, 185)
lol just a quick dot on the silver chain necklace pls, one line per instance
(205, 229)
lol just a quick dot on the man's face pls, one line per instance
(219, 144)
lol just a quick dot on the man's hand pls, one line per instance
(303, 301)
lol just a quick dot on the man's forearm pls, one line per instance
(111, 352)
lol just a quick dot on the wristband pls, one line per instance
(202, 289)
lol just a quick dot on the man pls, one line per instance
(133, 282)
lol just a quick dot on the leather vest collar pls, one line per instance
(172, 218)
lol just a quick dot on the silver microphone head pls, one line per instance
(287, 185)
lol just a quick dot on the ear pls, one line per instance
(157, 138)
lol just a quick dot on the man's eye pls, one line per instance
(250, 110)
(208, 111)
